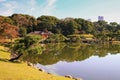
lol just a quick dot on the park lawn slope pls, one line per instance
(20, 71)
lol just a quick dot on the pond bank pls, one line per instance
(20, 70)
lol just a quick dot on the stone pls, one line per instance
(42, 70)
(29, 64)
(77, 78)
(69, 76)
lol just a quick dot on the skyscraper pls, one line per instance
(100, 18)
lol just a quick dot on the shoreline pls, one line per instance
(21, 71)
(42, 70)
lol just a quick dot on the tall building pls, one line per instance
(100, 18)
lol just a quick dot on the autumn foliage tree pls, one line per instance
(8, 31)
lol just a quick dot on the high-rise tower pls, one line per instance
(100, 18)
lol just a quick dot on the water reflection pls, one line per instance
(87, 61)
(54, 53)
(94, 68)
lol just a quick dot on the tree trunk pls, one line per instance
(15, 58)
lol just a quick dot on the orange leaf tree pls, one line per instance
(8, 31)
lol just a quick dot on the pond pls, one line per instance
(86, 61)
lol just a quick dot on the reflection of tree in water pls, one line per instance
(104, 49)
(47, 56)
(71, 52)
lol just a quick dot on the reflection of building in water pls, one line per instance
(100, 18)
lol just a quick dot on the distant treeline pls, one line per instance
(24, 24)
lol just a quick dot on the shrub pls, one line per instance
(28, 44)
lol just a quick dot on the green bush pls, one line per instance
(36, 49)
(28, 44)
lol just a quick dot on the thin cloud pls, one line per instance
(51, 2)
(31, 7)
(48, 7)
(7, 8)
(36, 9)
(2, 0)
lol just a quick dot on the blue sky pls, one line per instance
(87, 9)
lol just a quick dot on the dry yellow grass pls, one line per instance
(87, 35)
(20, 71)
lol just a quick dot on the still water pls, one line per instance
(89, 62)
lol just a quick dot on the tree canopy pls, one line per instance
(68, 26)
(7, 29)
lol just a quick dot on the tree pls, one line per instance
(47, 22)
(22, 20)
(27, 45)
(68, 26)
(8, 31)
(4, 19)
(22, 31)
(79, 22)
(24, 44)
(84, 26)
(101, 30)
(88, 26)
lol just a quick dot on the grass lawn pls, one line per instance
(20, 71)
